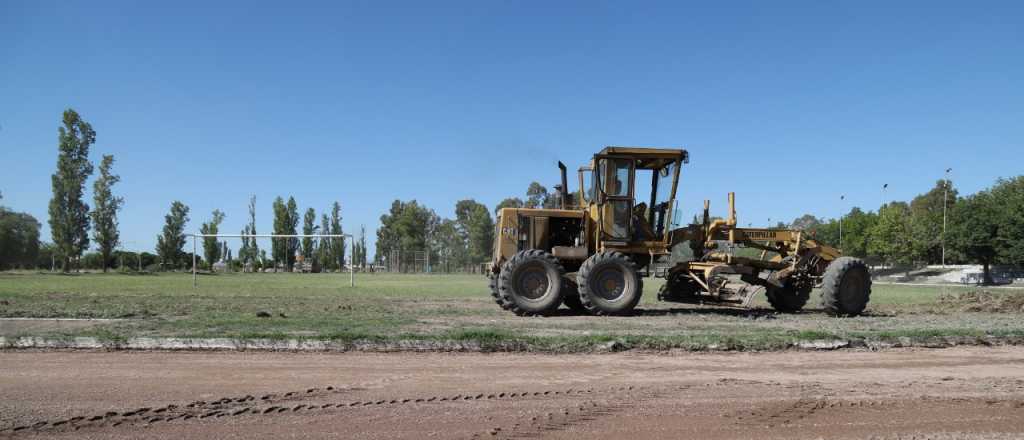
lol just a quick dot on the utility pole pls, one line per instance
(945, 194)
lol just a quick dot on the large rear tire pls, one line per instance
(531, 283)
(609, 284)
(846, 287)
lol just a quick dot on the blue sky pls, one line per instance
(790, 104)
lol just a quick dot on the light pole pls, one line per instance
(884, 187)
(945, 194)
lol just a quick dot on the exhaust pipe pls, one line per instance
(565, 189)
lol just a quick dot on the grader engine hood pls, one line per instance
(523, 228)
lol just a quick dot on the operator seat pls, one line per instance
(641, 230)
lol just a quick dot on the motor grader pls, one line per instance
(591, 252)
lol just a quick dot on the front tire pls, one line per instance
(846, 287)
(531, 283)
(609, 284)
(679, 288)
(790, 298)
(493, 285)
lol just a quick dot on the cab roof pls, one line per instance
(647, 157)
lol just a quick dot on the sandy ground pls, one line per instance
(971, 393)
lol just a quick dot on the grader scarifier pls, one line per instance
(591, 252)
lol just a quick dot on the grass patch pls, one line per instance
(392, 308)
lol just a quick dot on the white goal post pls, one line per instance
(352, 249)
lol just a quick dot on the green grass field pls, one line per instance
(394, 307)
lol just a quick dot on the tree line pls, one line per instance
(314, 254)
(412, 236)
(984, 228)
(71, 219)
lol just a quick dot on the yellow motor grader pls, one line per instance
(590, 253)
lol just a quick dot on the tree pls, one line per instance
(806, 222)
(309, 227)
(104, 212)
(406, 228)
(293, 224)
(170, 244)
(975, 230)
(857, 226)
(19, 240)
(324, 246)
(211, 246)
(69, 214)
(537, 195)
(926, 221)
(279, 246)
(476, 227)
(286, 220)
(46, 257)
(362, 247)
(1008, 194)
(449, 245)
(511, 202)
(337, 245)
(250, 251)
(889, 238)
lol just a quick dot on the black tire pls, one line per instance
(493, 285)
(679, 288)
(790, 298)
(571, 298)
(846, 287)
(531, 283)
(609, 284)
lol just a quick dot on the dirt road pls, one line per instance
(975, 393)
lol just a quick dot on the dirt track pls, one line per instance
(924, 394)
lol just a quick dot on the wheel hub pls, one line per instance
(533, 283)
(610, 284)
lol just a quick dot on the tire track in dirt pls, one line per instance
(811, 400)
(586, 407)
(592, 407)
(793, 412)
(274, 404)
(201, 409)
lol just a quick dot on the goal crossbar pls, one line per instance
(352, 249)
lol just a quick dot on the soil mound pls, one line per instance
(984, 301)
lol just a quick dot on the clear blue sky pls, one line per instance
(790, 104)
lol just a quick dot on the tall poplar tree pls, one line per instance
(170, 242)
(69, 214)
(212, 248)
(309, 227)
(104, 211)
(337, 251)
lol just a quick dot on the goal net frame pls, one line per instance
(351, 242)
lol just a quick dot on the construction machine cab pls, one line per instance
(630, 193)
